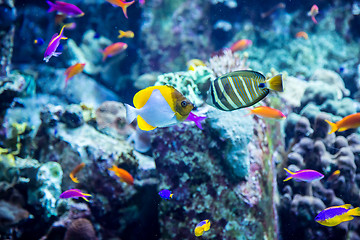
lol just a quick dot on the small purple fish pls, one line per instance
(65, 8)
(75, 193)
(306, 175)
(53, 45)
(196, 119)
(165, 194)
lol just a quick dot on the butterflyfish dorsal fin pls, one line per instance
(247, 74)
(143, 125)
(141, 97)
(170, 94)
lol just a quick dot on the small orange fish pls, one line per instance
(241, 45)
(334, 175)
(73, 70)
(114, 49)
(124, 5)
(267, 112)
(124, 175)
(313, 12)
(127, 34)
(75, 171)
(348, 122)
(302, 35)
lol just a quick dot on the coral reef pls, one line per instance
(80, 229)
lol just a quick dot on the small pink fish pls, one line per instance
(53, 45)
(123, 4)
(65, 8)
(75, 193)
(114, 49)
(313, 12)
(241, 45)
(196, 119)
(306, 175)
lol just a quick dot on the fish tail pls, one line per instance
(61, 32)
(104, 56)
(313, 19)
(275, 83)
(87, 194)
(354, 212)
(198, 122)
(121, 34)
(125, 6)
(52, 6)
(333, 126)
(171, 195)
(131, 113)
(85, 199)
(73, 178)
(290, 174)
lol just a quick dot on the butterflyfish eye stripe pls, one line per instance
(216, 98)
(228, 99)
(236, 92)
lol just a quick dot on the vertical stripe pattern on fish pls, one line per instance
(240, 89)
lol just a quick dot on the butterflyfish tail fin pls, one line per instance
(354, 212)
(333, 126)
(143, 125)
(289, 175)
(275, 83)
(52, 6)
(131, 113)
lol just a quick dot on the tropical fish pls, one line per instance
(127, 34)
(158, 106)
(267, 112)
(75, 193)
(334, 175)
(241, 45)
(313, 12)
(333, 216)
(72, 71)
(39, 41)
(302, 35)
(124, 175)
(202, 227)
(194, 63)
(241, 89)
(75, 171)
(65, 8)
(124, 5)
(166, 194)
(70, 26)
(348, 122)
(306, 175)
(53, 45)
(273, 9)
(196, 119)
(114, 49)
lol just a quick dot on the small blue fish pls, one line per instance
(333, 216)
(165, 194)
(39, 41)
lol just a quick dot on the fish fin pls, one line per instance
(64, 38)
(347, 206)
(171, 195)
(342, 129)
(52, 6)
(275, 83)
(141, 97)
(347, 218)
(74, 179)
(87, 194)
(143, 125)
(104, 56)
(121, 34)
(85, 199)
(131, 113)
(313, 19)
(354, 212)
(289, 175)
(333, 126)
(56, 54)
(125, 6)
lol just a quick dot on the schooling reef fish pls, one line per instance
(53, 45)
(75, 193)
(114, 49)
(65, 8)
(305, 175)
(267, 112)
(166, 194)
(241, 45)
(75, 171)
(333, 216)
(124, 175)
(241, 89)
(123, 4)
(127, 34)
(158, 106)
(72, 71)
(348, 122)
(202, 227)
(313, 12)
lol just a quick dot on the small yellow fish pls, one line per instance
(158, 106)
(194, 63)
(127, 34)
(202, 227)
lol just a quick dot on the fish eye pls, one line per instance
(183, 103)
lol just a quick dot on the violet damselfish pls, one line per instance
(67, 9)
(53, 45)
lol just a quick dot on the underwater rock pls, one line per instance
(48, 189)
(11, 215)
(80, 229)
(318, 92)
(330, 78)
(7, 30)
(294, 91)
(73, 116)
(145, 80)
(11, 86)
